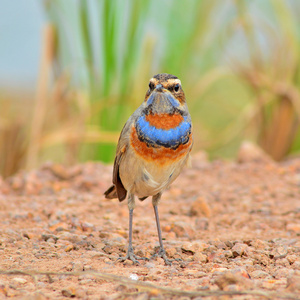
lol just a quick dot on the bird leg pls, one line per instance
(130, 254)
(161, 253)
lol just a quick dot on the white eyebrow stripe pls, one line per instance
(174, 81)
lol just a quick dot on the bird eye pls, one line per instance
(151, 85)
(177, 87)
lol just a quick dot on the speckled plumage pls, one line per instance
(154, 144)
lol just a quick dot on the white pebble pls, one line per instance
(19, 280)
(134, 277)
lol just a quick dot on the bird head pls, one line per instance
(165, 94)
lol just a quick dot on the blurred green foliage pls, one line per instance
(238, 61)
(112, 49)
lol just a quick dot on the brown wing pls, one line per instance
(121, 191)
(117, 190)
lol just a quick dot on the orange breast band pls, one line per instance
(164, 121)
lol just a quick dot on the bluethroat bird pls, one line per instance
(153, 147)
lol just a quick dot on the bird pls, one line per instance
(153, 148)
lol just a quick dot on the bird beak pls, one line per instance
(162, 101)
(159, 88)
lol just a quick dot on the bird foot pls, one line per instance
(131, 256)
(162, 253)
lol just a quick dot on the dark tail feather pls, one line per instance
(111, 193)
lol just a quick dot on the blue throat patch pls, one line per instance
(170, 138)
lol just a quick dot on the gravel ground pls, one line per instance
(234, 225)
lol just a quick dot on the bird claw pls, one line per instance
(131, 256)
(162, 253)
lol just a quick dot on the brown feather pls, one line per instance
(120, 190)
(111, 193)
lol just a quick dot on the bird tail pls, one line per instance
(111, 193)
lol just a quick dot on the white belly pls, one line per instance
(147, 178)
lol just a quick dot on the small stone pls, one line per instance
(296, 265)
(171, 252)
(218, 270)
(59, 171)
(233, 278)
(3, 289)
(183, 229)
(292, 258)
(60, 226)
(28, 235)
(200, 208)
(293, 283)
(199, 257)
(80, 293)
(269, 284)
(46, 237)
(133, 277)
(87, 226)
(283, 273)
(87, 268)
(259, 244)
(239, 249)
(73, 238)
(77, 266)
(259, 274)
(216, 257)
(262, 259)
(293, 227)
(69, 248)
(250, 152)
(279, 252)
(201, 224)
(19, 280)
(282, 262)
(69, 292)
(193, 247)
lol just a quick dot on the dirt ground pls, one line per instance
(235, 225)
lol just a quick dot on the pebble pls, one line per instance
(296, 265)
(199, 257)
(183, 229)
(201, 224)
(282, 262)
(19, 280)
(293, 283)
(283, 273)
(250, 152)
(69, 248)
(200, 208)
(239, 249)
(293, 227)
(233, 280)
(292, 258)
(77, 266)
(259, 274)
(195, 246)
(259, 244)
(133, 277)
(69, 292)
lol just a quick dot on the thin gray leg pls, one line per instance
(161, 253)
(130, 248)
(130, 254)
(158, 228)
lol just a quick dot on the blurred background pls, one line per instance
(72, 72)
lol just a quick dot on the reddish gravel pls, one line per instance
(236, 227)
